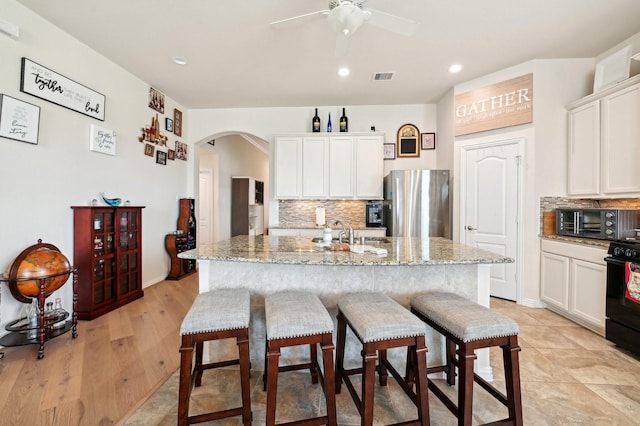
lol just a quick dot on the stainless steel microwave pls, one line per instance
(602, 224)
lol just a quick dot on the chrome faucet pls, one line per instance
(344, 231)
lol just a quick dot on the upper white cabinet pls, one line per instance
(344, 166)
(604, 142)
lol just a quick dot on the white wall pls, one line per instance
(39, 183)
(555, 84)
(265, 123)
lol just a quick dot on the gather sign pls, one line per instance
(504, 104)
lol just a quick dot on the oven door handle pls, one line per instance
(615, 261)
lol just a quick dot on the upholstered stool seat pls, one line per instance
(296, 318)
(219, 314)
(380, 323)
(471, 326)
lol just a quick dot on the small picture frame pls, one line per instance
(161, 157)
(177, 122)
(156, 100)
(171, 155)
(149, 149)
(168, 124)
(408, 145)
(389, 151)
(19, 120)
(181, 151)
(428, 141)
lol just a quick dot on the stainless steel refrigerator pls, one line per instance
(417, 203)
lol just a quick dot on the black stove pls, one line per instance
(623, 294)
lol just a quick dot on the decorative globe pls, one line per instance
(37, 261)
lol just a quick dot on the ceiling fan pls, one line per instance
(346, 16)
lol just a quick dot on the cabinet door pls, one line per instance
(288, 159)
(341, 165)
(588, 291)
(369, 167)
(554, 276)
(315, 167)
(620, 141)
(584, 150)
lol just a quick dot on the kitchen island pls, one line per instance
(410, 265)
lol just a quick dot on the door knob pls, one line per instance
(471, 228)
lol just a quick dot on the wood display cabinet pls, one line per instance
(183, 239)
(107, 251)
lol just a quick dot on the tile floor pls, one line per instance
(569, 376)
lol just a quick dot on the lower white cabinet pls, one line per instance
(573, 282)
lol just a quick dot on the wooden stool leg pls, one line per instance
(245, 373)
(329, 379)
(273, 359)
(382, 369)
(465, 386)
(198, 368)
(264, 371)
(342, 332)
(369, 360)
(451, 366)
(313, 354)
(184, 392)
(419, 362)
(512, 378)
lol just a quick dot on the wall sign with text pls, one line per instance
(504, 104)
(46, 84)
(19, 120)
(102, 140)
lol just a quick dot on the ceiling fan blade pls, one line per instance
(341, 45)
(390, 22)
(297, 20)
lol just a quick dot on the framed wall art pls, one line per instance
(408, 145)
(46, 84)
(428, 141)
(171, 155)
(156, 100)
(161, 157)
(102, 140)
(177, 122)
(168, 124)
(19, 120)
(148, 149)
(181, 151)
(389, 151)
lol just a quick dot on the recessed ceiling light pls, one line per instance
(179, 60)
(455, 68)
(343, 72)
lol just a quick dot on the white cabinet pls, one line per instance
(324, 166)
(315, 173)
(573, 282)
(603, 148)
(341, 154)
(288, 167)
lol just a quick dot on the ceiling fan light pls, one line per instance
(345, 19)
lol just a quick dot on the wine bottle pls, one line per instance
(316, 123)
(344, 122)
(329, 123)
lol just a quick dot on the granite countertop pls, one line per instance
(355, 226)
(577, 240)
(302, 251)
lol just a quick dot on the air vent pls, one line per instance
(382, 76)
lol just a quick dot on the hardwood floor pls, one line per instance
(102, 376)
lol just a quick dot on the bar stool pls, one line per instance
(218, 314)
(471, 326)
(299, 318)
(380, 323)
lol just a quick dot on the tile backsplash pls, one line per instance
(303, 212)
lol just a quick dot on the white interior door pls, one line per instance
(205, 207)
(490, 221)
